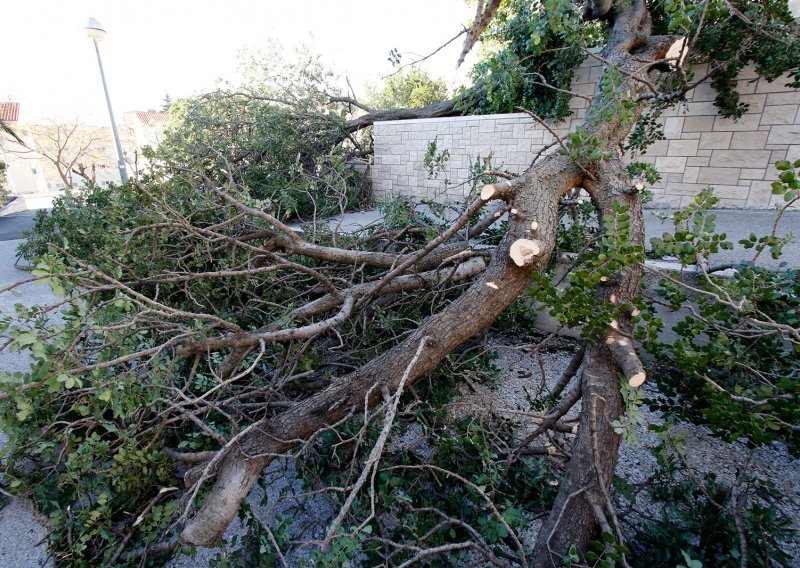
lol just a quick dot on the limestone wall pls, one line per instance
(701, 148)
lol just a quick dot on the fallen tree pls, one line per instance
(154, 345)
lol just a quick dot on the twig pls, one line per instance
(480, 492)
(139, 519)
(371, 465)
(431, 54)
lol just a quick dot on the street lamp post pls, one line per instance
(96, 33)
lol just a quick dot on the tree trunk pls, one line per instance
(473, 312)
(582, 504)
(535, 196)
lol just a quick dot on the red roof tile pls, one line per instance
(9, 112)
(152, 118)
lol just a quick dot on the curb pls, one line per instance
(16, 205)
(22, 203)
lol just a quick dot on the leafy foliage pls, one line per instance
(277, 134)
(698, 524)
(536, 46)
(762, 34)
(577, 304)
(414, 88)
(100, 462)
(735, 361)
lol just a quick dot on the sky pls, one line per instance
(183, 47)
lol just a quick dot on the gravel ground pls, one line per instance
(521, 371)
(275, 497)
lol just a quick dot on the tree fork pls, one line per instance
(573, 518)
(537, 200)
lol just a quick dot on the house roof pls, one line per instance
(152, 117)
(9, 112)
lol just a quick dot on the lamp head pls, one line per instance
(94, 30)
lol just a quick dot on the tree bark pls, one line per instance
(435, 110)
(582, 504)
(471, 313)
(583, 492)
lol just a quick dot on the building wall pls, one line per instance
(148, 126)
(700, 148)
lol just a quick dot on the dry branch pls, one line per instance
(483, 17)
(504, 190)
(371, 466)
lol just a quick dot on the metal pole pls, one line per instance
(123, 172)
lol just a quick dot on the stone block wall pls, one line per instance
(700, 148)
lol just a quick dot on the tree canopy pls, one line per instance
(413, 88)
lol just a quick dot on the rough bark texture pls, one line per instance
(435, 110)
(584, 488)
(483, 17)
(582, 504)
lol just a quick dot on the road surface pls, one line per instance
(11, 226)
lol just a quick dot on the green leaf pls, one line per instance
(23, 410)
(26, 338)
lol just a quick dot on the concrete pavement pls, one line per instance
(21, 529)
(737, 224)
(12, 226)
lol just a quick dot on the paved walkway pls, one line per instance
(737, 224)
(11, 226)
(20, 527)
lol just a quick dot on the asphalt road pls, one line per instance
(11, 226)
(22, 530)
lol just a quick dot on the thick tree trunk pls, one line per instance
(474, 311)
(583, 505)
(435, 110)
